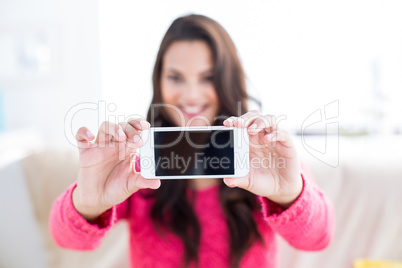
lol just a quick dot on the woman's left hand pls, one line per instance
(274, 163)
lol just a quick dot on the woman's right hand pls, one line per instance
(107, 174)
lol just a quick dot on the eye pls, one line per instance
(174, 78)
(208, 78)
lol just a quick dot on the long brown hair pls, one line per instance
(172, 207)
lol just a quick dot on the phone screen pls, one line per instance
(198, 152)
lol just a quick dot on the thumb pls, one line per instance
(242, 182)
(136, 181)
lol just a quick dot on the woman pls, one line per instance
(230, 222)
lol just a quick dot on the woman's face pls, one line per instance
(187, 84)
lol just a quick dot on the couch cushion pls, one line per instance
(48, 174)
(19, 232)
(365, 190)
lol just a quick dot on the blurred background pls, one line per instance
(298, 57)
(333, 69)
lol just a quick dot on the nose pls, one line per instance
(192, 93)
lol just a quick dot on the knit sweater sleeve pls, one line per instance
(70, 230)
(309, 223)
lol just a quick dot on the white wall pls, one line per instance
(42, 103)
(298, 56)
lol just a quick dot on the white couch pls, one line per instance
(365, 189)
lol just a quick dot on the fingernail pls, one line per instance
(137, 163)
(90, 135)
(233, 184)
(144, 122)
(271, 136)
(121, 132)
(253, 126)
(229, 182)
(136, 138)
(240, 120)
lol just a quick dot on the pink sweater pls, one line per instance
(308, 224)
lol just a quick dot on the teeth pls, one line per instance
(192, 110)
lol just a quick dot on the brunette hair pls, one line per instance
(172, 209)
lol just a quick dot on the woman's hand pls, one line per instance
(106, 176)
(274, 163)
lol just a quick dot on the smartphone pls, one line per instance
(194, 152)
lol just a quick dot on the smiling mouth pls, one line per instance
(193, 111)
